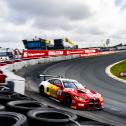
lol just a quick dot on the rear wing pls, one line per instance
(45, 76)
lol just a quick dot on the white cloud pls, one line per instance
(86, 22)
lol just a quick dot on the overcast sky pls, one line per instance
(86, 22)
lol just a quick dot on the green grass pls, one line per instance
(120, 67)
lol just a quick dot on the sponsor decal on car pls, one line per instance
(73, 107)
(80, 104)
(59, 92)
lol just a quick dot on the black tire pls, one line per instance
(18, 96)
(50, 116)
(67, 100)
(12, 119)
(2, 108)
(41, 90)
(7, 96)
(23, 106)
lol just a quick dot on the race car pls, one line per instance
(70, 92)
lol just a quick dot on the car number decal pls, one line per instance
(59, 92)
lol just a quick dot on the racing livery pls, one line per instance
(71, 93)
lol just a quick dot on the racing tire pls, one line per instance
(41, 90)
(67, 100)
(23, 106)
(50, 116)
(13, 119)
(7, 96)
(2, 108)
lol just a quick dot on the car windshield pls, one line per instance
(79, 85)
(69, 84)
(72, 84)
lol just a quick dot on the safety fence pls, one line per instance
(30, 54)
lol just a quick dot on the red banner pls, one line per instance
(89, 51)
(70, 52)
(30, 54)
(80, 51)
(55, 52)
(89, 54)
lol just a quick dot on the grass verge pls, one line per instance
(118, 68)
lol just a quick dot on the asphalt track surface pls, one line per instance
(90, 72)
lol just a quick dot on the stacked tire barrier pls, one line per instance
(50, 116)
(19, 110)
(29, 112)
(12, 119)
(7, 96)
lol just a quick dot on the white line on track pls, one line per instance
(107, 71)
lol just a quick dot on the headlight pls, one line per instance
(101, 99)
(80, 98)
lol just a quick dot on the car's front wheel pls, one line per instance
(67, 100)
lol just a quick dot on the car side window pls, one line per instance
(56, 81)
(69, 84)
(51, 81)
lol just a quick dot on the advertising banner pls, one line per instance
(71, 52)
(55, 52)
(89, 54)
(30, 54)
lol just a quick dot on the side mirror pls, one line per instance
(59, 85)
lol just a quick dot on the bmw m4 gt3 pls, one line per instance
(71, 93)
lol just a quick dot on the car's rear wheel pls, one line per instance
(67, 100)
(41, 90)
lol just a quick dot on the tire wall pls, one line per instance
(19, 82)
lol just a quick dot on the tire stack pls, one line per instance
(12, 119)
(19, 110)
(7, 96)
(50, 116)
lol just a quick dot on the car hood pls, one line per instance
(86, 93)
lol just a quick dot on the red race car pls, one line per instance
(71, 93)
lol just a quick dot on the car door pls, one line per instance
(54, 90)
(49, 87)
